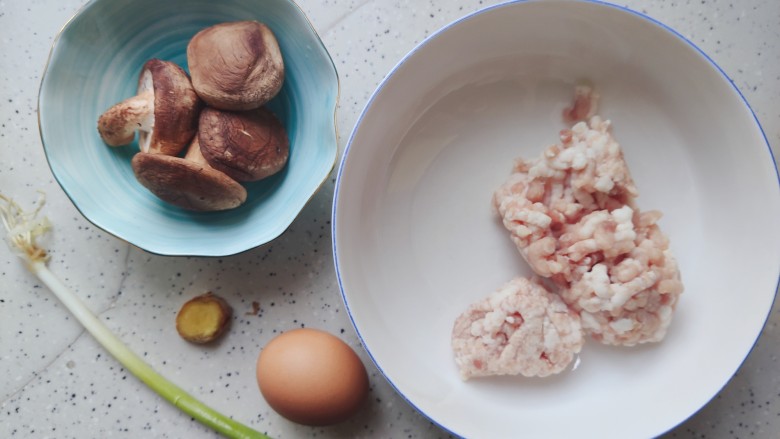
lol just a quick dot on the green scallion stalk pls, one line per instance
(23, 231)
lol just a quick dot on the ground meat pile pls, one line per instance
(573, 217)
(519, 329)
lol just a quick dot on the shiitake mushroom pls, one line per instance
(165, 111)
(246, 145)
(235, 68)
(236, 65)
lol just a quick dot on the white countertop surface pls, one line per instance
(57, 382)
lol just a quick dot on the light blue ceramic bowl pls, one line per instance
(94, 63)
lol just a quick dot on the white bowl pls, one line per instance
(416, 240)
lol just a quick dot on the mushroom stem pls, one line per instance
(195, 155)
(117, 126)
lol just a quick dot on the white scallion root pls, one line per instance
(24, 228)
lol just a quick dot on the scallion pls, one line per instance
(23, 230)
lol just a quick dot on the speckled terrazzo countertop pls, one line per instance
(56, 382)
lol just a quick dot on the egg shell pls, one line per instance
(311, 377)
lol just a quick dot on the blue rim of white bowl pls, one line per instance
(425, 42)
(282, 229)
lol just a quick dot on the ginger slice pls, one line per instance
(203, 318)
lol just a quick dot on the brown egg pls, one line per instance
(311, 377)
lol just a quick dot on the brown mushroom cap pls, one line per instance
(176, 108)
(188, 182)
(165, 111)
(236, 65)
(246, 145)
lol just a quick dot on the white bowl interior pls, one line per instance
(416, 239)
